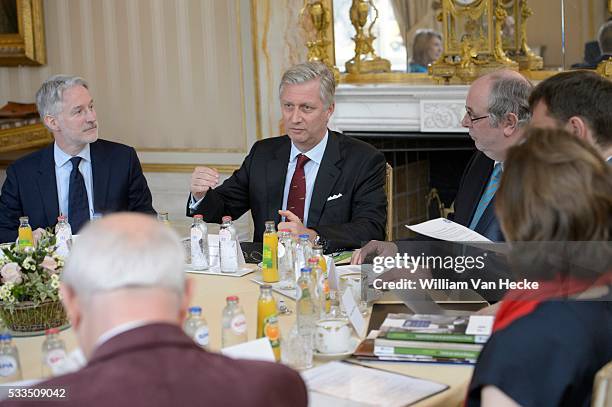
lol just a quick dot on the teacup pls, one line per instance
(333, 336)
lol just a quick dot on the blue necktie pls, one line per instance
(78, 205)
(487, 195)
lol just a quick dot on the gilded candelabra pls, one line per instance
(365, 59)
(316, 19)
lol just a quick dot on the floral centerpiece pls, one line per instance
(29, 286)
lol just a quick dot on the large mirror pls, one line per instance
(22, 37)
(408, 32)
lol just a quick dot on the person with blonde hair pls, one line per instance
(554, 204)
(426, 48)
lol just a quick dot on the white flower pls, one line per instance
(29, 263)
(11, 273)
(5, 292)
(55, 283)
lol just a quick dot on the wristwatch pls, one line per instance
(321, 241)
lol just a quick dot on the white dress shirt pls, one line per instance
(63, 168)
(311, 169)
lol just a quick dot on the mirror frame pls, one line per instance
(402, 77)
(27, 47)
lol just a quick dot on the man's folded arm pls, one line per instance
(368, 211)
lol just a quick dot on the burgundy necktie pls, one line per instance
(297, 189)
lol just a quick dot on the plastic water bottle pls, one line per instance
(306, 305)
(53, 352)
(285, 260)
(199, 244)
(63, 236)
(301, 253)
(196, 327)
(163, 218)
(234, 324)
(10, 368)
(228, 254)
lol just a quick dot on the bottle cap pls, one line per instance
(304, 236)
(232, 298)
(5, 336)
(195, 309)
(285, 230)
(306, 270)
(198, 216)
(61, 218)
(265, 287)
(24, 219)
(51, 331)
(313, 260)
(226, 218)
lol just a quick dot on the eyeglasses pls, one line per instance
(474, 119)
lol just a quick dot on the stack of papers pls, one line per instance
(366, 385)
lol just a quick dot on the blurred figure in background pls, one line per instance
(426, 48)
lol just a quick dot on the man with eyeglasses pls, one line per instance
(497, 111)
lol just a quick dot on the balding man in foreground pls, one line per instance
(125, 292)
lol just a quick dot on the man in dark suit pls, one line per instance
(578, 101)
(496, 114)
(78, 175)
(125, 292)
(311, 181)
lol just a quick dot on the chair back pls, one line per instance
(389, 192)
(602, 387)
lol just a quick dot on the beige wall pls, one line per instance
(168, 76)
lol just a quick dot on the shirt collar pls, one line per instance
(314, 154)
(62, 158)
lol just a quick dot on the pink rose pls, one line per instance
(11, 273)
(49, 263)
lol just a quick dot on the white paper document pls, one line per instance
(444, 229)
(259, 349)
(353, 313)
(367, 385)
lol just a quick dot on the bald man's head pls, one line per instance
(125, 250)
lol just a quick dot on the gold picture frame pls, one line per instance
(27, 46)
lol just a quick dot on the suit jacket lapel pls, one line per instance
(276, 172)
(100, 174)
(47, 185)
(327, 177)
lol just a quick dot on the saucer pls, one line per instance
(354, 342)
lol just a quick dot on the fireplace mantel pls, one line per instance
(399, 108)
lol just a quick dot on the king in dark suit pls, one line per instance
(322, 183)
(76, 176)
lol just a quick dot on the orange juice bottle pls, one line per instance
(270, 259)
(266, 306)
(267, 321)
(272, 332)
(25, 236)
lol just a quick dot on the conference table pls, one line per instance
(210, 292)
